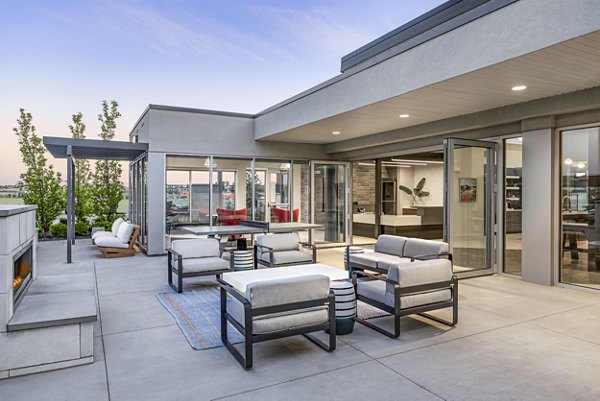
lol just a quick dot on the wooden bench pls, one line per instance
(114, 252)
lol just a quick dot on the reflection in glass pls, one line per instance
(513, 175)
(580, 197)
(330, 202)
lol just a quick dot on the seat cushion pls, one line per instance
(115, 226)
(196, 248)
(409, 274)
(376, 259)
(391, 244)
(279, 321)
(287, 257)
(207, 264)
(125, 231)
(280, 242)
(418, 247)
(99, 234)
(111, 242)
(376, 290)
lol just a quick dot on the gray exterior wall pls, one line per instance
(155, 205)
(219, 135)
(520, 28)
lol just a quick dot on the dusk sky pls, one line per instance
(63, 57)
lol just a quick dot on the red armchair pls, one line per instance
(283, 215)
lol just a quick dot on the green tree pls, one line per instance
(40, 185)
(107, 189)
(83, 173)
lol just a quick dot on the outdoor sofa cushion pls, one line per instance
(111, 242)
(125, 231)
(196, 248)
(376, 259)
(286, 257)
(391, 244)
(410, 274)
(283, 291)
(418, 246)
(113, 232)
(205, 264)
(280, 242)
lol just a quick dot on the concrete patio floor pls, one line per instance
(514, 341)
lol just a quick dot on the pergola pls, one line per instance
(91, 149)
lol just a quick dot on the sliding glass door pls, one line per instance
(330, 202)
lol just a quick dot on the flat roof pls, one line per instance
(94, 148)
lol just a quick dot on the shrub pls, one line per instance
(82, 228)
(58, 230)
(63, 220)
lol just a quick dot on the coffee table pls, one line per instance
(241, 279)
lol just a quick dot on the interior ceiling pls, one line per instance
(565, 67)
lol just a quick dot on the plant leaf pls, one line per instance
(406, 189)
(420, 185)
(423, 194)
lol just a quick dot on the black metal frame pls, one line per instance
(250, 313)
(351, 267)
(400, 292)
(178, 270)
(270, 251)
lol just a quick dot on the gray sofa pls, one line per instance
(391, 249)
(409, 288)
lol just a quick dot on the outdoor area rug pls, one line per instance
(197, 313)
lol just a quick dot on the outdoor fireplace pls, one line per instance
(23, 266)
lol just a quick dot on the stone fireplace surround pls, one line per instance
(51, 327)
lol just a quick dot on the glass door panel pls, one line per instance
(468, 217)
(329, 202)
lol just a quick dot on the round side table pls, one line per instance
(345, 306)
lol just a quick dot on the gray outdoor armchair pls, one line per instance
(193, 258)
(409, 288)
(275, 250)
(278, 308)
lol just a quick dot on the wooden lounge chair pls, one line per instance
(114, 247)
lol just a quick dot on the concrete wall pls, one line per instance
(538, 197)
(518, 29)
(155, 205)
(219, 135)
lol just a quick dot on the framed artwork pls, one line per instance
(467, 190)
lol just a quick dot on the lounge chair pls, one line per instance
(274, 250)
(112, 233)
(123, 244)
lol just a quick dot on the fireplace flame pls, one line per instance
(17, 282)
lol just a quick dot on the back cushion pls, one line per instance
(288, 290)
(196, 248)
(394, 245)
(280, 242)
(116, 225)
(124, 232)
(420, 272)
(417, 247)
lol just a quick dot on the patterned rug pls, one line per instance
(197, 313)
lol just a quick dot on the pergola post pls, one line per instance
(70, 203)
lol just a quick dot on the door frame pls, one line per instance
(347, 198)
(449, 144)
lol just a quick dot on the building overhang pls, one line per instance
(551, 47)
(93, 148)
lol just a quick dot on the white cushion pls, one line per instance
(196, 248)
(376, 290)
(99, 234)
(377, 259)
(125, 231)
(116, 225)
(286, 257)
(390, 244)
(111, 242)
(409, 274)
(280, 242)
(206, 264)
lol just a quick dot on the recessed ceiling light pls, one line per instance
(404, 115)
(581, 165)
(336, 132)
(519, 88)
(568, 161)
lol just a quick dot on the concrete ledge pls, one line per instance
(47, 367)
(54, 309)
(9, 210)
